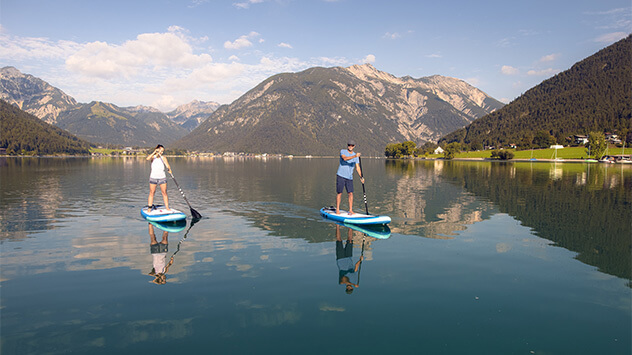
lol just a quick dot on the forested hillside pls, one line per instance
(594, 95)
(23, 133)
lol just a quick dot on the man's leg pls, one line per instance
(350, 202)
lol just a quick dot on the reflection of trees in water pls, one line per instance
(426, 204)
(583, 208)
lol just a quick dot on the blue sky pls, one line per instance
(165, 53)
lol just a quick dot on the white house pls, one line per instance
(439, 150)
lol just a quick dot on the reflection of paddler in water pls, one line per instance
(159, 253)
(348, 272)
(159, 249)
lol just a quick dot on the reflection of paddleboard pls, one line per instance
(171, 227)
(356, 218)
(160, 214)
(380, 231)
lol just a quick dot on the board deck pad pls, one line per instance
(160, 214)
(356, 218)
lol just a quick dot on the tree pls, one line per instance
(596, 144)
(408, 148)
(476, 145)
(392, 150)
(504, 154)
(451, 150)
(543, 140)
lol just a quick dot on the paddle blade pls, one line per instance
(195, 214)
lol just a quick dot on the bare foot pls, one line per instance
(351, 213)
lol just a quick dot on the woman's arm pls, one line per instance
(153, 155)
(164, 160)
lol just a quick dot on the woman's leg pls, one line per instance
(152, 191)
(165, 198)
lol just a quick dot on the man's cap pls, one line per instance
(351, 142)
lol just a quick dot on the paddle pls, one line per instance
(361, 259)
(366, 205)
(194, 213)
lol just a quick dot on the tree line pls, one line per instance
(24, 134)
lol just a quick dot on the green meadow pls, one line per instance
(564, 153)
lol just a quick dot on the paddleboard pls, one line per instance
(377, 231)
(171, 227)
(160, 214)
(356, 218)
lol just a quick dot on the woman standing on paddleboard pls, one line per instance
(158, 176)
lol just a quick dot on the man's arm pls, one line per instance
(359, 172)
(346, 157)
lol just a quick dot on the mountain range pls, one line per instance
(310, 112)
(317, 110)
(100, 122)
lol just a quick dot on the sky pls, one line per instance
(165, 53)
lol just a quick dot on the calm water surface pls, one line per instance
(481, 258)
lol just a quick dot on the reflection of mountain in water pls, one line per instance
(428, 205)
(583, 208)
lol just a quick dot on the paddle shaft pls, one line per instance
(361, 259)
(366, 205)
(194, 213)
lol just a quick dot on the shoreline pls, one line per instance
(279, 156)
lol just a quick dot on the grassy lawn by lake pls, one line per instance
(565, 153)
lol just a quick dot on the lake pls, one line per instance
(480, 258)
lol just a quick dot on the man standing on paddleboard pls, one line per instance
(344, 177)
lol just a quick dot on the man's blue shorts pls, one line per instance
(342, 183)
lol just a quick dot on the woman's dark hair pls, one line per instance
(159, 146)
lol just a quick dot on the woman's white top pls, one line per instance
(157, 169)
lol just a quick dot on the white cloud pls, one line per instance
(369, 59)
(327, 61)
(147, 51)
(285, 45)
(246, 4)
(611, 37)
(16, 49)
(613, 20)
(543, 72)
(508, 70)
(158, 69)
(549, 58)
(242, 42)
(434, 55)
(196, 3)
(393, 35)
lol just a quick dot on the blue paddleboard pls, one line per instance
(171, 227)
(160, 214)
(356, 218)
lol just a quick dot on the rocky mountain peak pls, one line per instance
(33, 95)
(367, 72)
